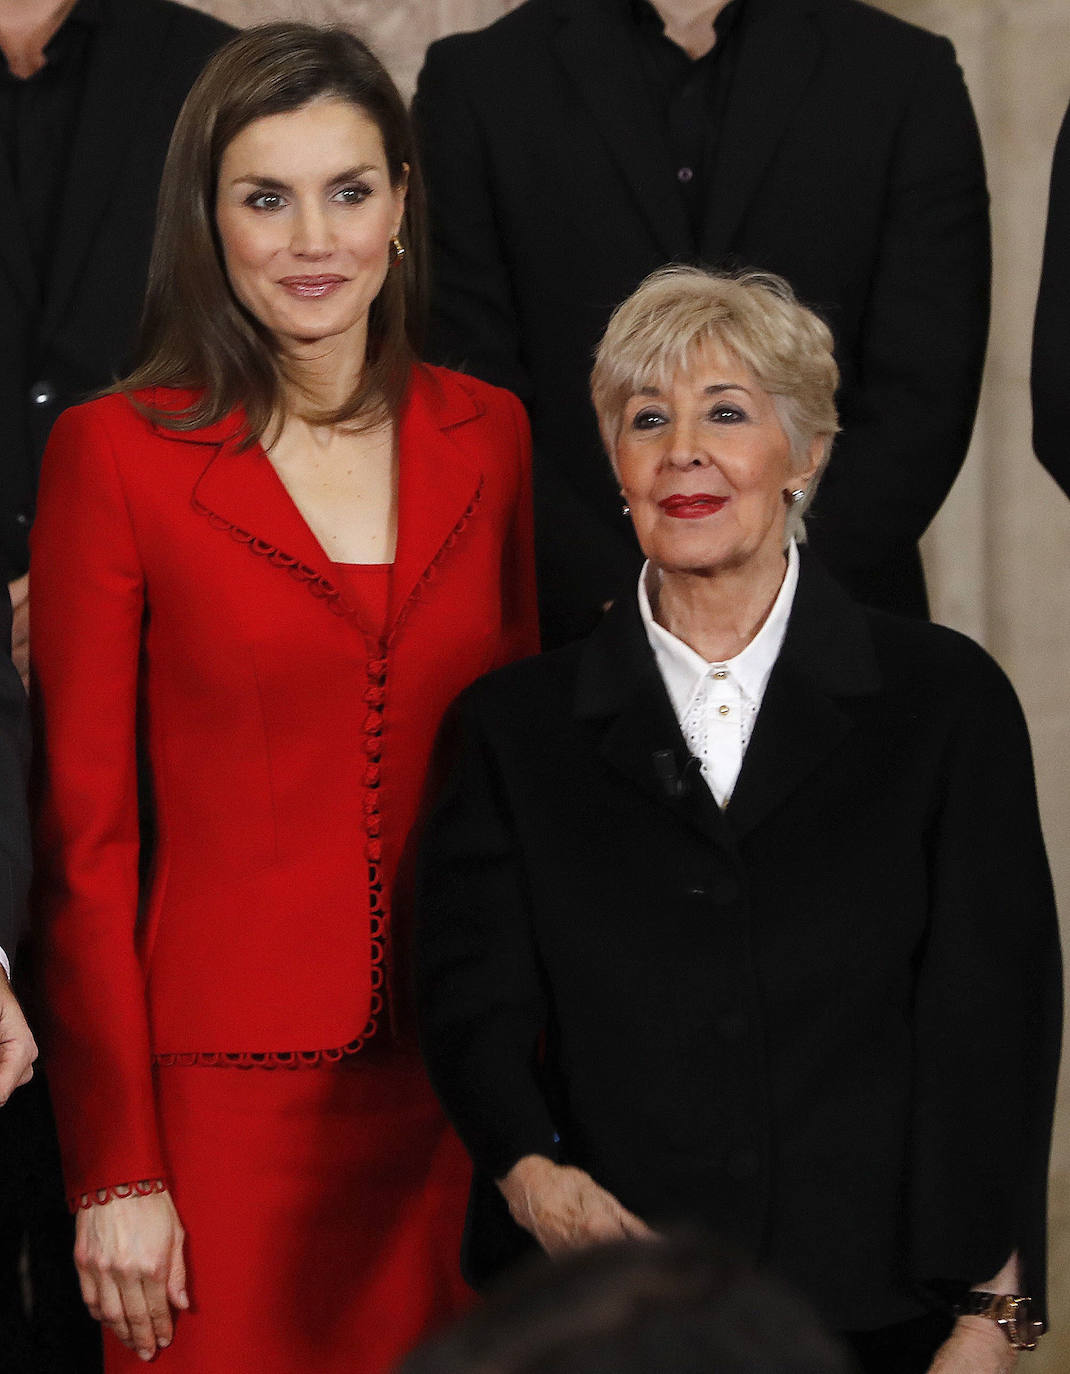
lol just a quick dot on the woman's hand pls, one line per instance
(976, 1346)
(129, 1258)
(563, 1208)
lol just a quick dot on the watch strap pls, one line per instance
(1012, 1312)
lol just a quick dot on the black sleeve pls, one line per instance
(1051, 333)
(908, 415)
(481, 997)
(14, 824)
(988, 1007)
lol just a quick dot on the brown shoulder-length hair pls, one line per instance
(194, 333)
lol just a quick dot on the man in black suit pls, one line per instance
(1051, 333)
(575, 145)
(89, 92)
(17, 1048)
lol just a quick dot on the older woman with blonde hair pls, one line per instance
(738, 912)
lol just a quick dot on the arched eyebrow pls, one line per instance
(714, 389)
(274, 184)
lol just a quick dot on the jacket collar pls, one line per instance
(827, 659)
(439, 485)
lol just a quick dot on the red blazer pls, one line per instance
(175, 585)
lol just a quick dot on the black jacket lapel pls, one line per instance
(619, 683)
(780, 46)
(595, 48)
(827, 657)
(125, 54)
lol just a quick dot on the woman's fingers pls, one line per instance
(635, 1227)
(90, 1293)
(139, 1322)
(112, 1312)
(176, 1278)
(159, 1313)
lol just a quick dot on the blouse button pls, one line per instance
(720, 674)
(723, 710)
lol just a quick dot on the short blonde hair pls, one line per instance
(678, 310)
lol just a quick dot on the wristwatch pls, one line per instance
(1012, 1313)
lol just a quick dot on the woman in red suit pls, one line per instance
(263, 567)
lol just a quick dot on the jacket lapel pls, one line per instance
(595, 48)
(124, 55)
(440, 479)
(440, 482)
(242, 493)
(827, 658)
(619, 687)
(780, 46)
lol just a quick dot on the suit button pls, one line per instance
(22, 518)
(42, 393)
(732, 1026)
(743, 1164)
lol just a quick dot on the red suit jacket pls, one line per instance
(184, 618)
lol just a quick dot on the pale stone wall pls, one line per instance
(998, 555)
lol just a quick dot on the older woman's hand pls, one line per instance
(130, 1265)
(975, 1346)
(563, 1208)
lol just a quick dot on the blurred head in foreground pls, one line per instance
(676, 1306)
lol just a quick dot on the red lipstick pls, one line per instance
(311, 288)
(692, 506)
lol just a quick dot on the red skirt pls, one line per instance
(323, 1210)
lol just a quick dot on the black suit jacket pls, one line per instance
(142, 60)
(1051, 334)
(824, 1022)
(849, 161)
(14, 825)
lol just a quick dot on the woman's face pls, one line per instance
(705, 467)
(305, 212)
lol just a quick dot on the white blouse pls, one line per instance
(717, 703)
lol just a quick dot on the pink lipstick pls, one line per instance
(311, 288)
(693, 506)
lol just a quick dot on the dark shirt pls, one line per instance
(690, 95)
(38, 118)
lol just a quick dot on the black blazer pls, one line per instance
(1051, 333)
(14, 824)
(849, 162)
(142, 61)
(825, 1022)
